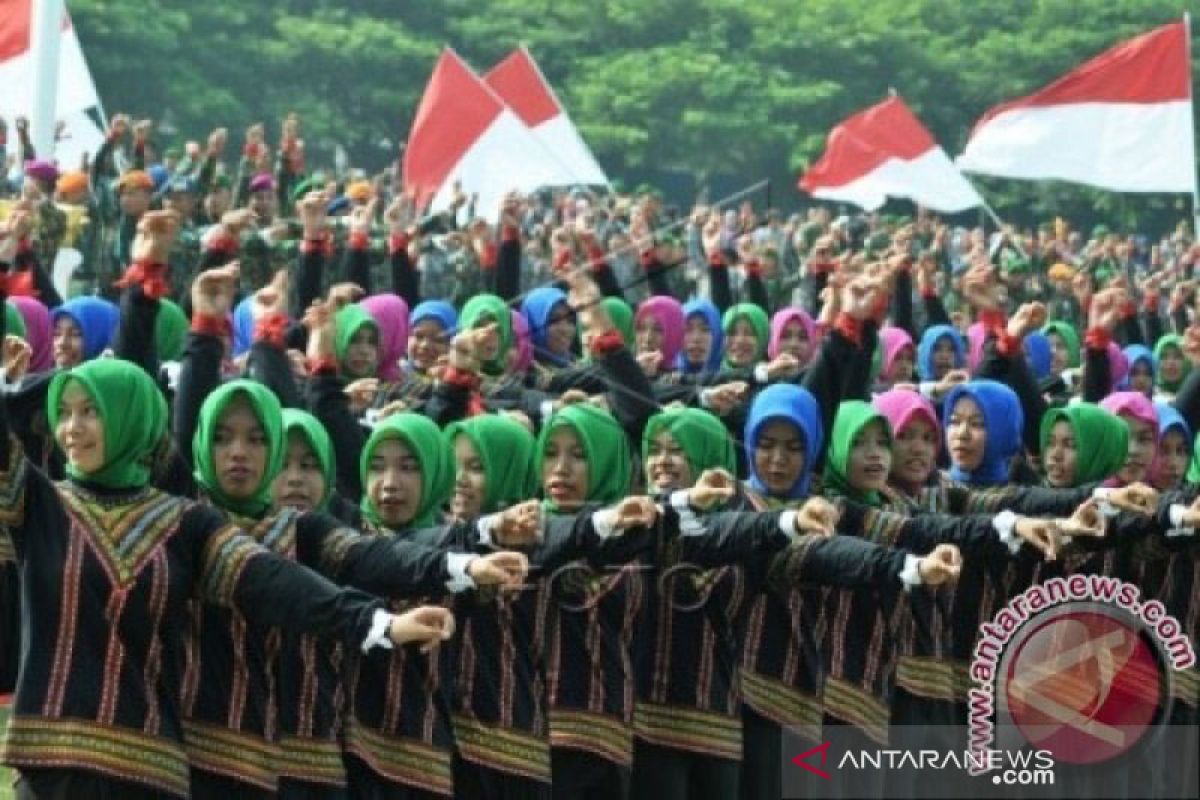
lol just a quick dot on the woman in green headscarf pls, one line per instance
(747, 329)
(493, 460)
(238, 447)
(860, 453)
(583, 457)
(306, 479)
(357, 343)
(407, 473)
(681, 443)
(1064, 346)
(621, 315)
(488, 309)
(1082, 444)
(1173, 365)
(170, 331)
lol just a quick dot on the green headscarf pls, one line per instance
(14, 323)
(318, 440)
(757, 319)
(493, 307)
(1176, 341)
(852, 417)
(132, 410)
(1101, 440)
(621, 315)
(704, 439)
(604, 446)
(506, 449)
(1193, 471)
(348, 322)
(425, 441)
(266, 408)
(170, 331)
(1069, 337)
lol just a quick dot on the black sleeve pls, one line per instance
(356, 266)
(1131, 330)
(269, 366)
(134, 340)
(840, 561)
(818, 279)
(199, 375)
(824, 377)
(406, 280)
(718, 286)
(1097, 375)
(1179, 319)
(935, 312)
(1014, 371)
(448, 403)
(629, 392)
(330, 406)
(1152, 321)
(606, 281)
(1187, 400)
(308, 283)
(508, 269)
(756, 291)
(902, 304)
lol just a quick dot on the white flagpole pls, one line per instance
(45, 37)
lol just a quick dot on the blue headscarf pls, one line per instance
(929, 339)
(796, 405)
(243, 326)
(537, 308)
(96, 319)
(1004, 419)
(1136, 353)
(712, 318)
(1039, 355)
(438, 310)
(1169, 419)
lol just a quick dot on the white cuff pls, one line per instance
(378, 636)
(689, 521)
(604, 524)
(1103, 494)
(1178, 511)
(910, 576)
(926, 388)
(547, 409)
(787, 523)
(1005, 524)
(456, 565)
(484, 526)
(761, 375)
(1175, 533)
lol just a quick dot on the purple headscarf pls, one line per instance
(779, 323)
(39, 332)
(669, 314)
(893, 340)
(524, 342)
(390, 313)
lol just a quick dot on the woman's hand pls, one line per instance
(428, 626)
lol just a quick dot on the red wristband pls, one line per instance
(272, 329)
(1097, 339)
(359, 241)
(397, 242)
(753, 269)
(323, 246)
(510, 233)
(716, 259)
(562, 260)
(489, 256)
(1008, 345)
(325, 365)
(608, 342)
(210, 325)
(223, 244)
(1129, 309)
(460, 378)
(19, 283)
(849, 327)
(993, 321)
(152, 278)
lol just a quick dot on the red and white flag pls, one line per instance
(1122, 121)
(76, 90)
(520, 83)
(463, 132)
(884, 151)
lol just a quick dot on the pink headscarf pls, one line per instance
(902, 406)
(1118, 364)
(390, 313)
(524, 351)
(976, 338)
(1132, 404)
(669, 314)
(38, 332)
(779, 323)
(893, 340)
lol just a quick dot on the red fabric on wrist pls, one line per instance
(1152, 301)
(1008, 345)
(322, 246)
(993, 321)
(19, 283)
(489, 256)
(1097, 339)
(608, 342)
(461, 378)
(849, 327)
(25, 246)
(210, 325)
(753, 269)
(152, 278)
(1129, 309)
(716, 259)
(823, 266)
(359, 241)
(225, 244)
(647, 258)
(324, 365)
(397, 242)
(596, 255)
(510, 233)
(272, 329)
(562, 259)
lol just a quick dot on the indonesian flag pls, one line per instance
(885, 151)
(76, 91)
(1122, 121)
(520, 83)
(464, 132)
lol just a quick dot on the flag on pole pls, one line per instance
(884, 151)
(519, 82)
(463, 132)
(76, 90)
(1121, 121)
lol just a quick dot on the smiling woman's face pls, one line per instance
(80, 431)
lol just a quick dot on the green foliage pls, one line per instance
(715, 90)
